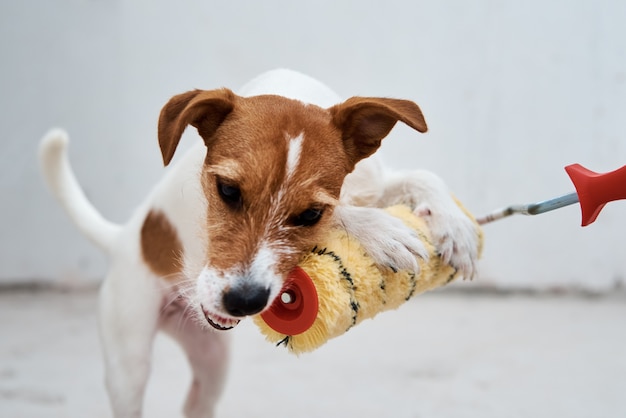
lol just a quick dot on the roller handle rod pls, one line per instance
(531, 208)
(593, 191)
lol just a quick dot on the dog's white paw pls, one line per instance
(455, 236)
(384, 237)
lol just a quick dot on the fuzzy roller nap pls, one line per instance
(337, 285)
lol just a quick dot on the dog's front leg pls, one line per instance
(207, 351)
(453, 232)
(384, 237)
(130, 301)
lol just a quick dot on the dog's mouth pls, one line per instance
(219, 322)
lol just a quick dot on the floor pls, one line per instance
(448, 354)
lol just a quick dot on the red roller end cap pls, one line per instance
(294, 311)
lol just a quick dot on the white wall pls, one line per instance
(513, 91)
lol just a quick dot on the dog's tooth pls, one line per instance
(221, 324)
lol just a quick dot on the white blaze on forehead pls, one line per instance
(294, 149)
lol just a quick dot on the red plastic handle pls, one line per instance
(596, 189)
(295, 310)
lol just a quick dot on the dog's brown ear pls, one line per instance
(203, 109)
(365, 121)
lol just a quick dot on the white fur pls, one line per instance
(292, 85)
(263, 268)
(134, 303)
(372, 185)
(293, 155)
(61, 180)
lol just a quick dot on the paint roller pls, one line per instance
(336, 285)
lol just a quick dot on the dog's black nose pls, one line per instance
(245, 299)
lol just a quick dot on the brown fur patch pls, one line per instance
(160, 245)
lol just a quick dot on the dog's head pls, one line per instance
(273, 173)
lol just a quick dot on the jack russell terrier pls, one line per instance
(216, 238)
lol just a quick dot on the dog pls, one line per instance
(276, 163)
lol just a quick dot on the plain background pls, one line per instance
(512, 92)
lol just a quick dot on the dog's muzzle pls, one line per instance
(245, 299)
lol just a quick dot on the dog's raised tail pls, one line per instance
(62, 183)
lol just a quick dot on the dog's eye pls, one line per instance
(231, 195)
(309, 217)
